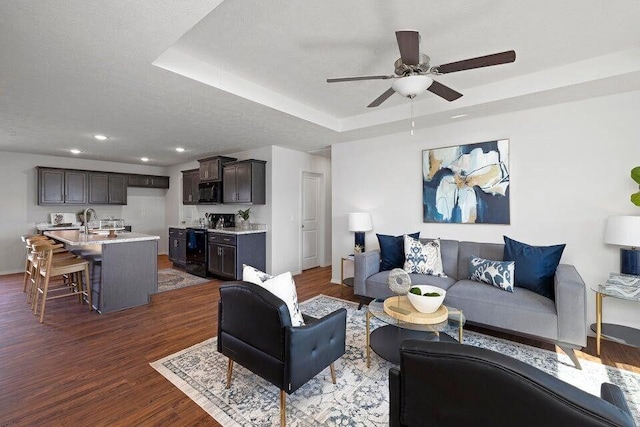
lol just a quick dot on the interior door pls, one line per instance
(310, 219)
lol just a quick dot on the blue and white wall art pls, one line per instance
(467, 184)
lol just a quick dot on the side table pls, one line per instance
(345, 281)
(618, 333)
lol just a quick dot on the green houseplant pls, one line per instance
(635, 175)
(244, 216)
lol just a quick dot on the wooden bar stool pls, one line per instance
(29, 241)
(49, 268)
(31, 274)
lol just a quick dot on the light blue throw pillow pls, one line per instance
(497, 273)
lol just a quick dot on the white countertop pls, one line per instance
(228, 230)
(75, 238)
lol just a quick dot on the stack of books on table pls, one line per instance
(626, 285)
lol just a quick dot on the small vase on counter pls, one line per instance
(243, 220)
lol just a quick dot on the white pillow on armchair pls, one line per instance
(281, 286)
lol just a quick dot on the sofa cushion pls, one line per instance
(392, 250)
(468, 250)
(496, 273)
(535, 265)
(423, 258)
(523, 310)
(449, 254)
(377, 284)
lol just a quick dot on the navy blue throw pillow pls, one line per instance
(535, 265)
(392, 250)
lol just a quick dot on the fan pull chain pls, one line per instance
(413, 122)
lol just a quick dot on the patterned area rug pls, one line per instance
(169, 279)
(360, 397)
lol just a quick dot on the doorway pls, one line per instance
(312, 220)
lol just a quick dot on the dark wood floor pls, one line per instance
(86, 369)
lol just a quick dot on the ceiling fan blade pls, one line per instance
(444, 91)
(479, 62)
(353, 79)
(408, 43)
(379, 100)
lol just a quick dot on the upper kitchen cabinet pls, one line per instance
(107, 189)
(211, 168)
(244, 182)
(190, 190)
(148, 181)
(60, 186)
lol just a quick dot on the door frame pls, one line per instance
(321, 217)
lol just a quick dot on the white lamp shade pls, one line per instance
(360, 221)
(623, 231)
(411, 86)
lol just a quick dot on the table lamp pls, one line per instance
(359, 222)
(625, 231)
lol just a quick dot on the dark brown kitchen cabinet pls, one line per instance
(190, 190)
(211, 168)
(148, 181)
(178, 246)
(228, 252)
(244, 182)
(107, 189)
(62, 187)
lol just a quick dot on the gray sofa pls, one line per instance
(523, 312)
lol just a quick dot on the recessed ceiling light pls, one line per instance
(100, 137)
(180, 150)
(75, 151)
(144, 159)
(458, 116)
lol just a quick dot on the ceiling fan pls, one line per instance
(412, 69)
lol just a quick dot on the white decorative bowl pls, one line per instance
(426, 304)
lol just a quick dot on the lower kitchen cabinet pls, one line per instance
(178, 247)
(228, 252)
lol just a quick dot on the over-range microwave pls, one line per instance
(210, 192)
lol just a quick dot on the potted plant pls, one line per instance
(244, 218)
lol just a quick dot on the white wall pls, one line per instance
(20, 211)
(283, 200)
(288, 166)
(570, 166)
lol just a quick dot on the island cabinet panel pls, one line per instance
(129, 275)
(107, 189)
(61, 186)
(244, 182)
(190, 190)
(178, 247)
(228, 252)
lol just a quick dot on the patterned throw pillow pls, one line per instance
(422, 258)
(497, 273)
(281, 286)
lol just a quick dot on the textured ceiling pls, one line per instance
(255, 70)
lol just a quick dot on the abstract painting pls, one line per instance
(466, 184)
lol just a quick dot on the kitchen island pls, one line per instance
(128, 266)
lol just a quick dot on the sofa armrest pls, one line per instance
(394, 397)
(571, 306)
(365, 264)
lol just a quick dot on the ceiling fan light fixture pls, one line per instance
(412, 86)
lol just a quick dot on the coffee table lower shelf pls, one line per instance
(385, 340)
(619, 333)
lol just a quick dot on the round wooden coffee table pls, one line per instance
(401, 325)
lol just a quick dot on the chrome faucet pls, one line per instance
(86, 223)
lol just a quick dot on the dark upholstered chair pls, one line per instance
(254, 330)
(448, 384)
